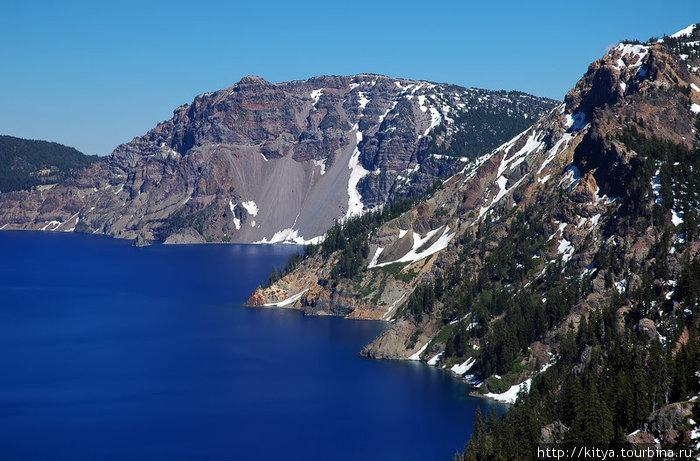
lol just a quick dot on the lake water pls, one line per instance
(109, 352)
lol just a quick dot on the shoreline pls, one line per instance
(473, 392)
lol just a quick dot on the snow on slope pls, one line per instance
(511, 394)
(288, 301)
(684, 32)
(414, 254)
(290, 236)
(416, 356)
(357, 172)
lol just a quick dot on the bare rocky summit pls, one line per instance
(264, 162)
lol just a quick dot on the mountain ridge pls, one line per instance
(531, 265)
(270, 163)
(27, 163)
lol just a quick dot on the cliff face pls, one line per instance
(583, 224)
(575, 158)
(263, 162)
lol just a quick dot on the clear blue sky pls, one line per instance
(95, 74)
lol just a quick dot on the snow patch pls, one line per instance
(375, 258)
(421, 103)
(640, 51)
(676, 217)
(357, 172)
(501, 181)
(435, 119)
(362, 100)
(565, 249)
(55, 225)
(316, 95)
(463, 367)
(621, 286)
(560, 230)
(416, 356)
(656, 186)
(695, 108)
(236, 221)
(418, 241)
(251, 207)
(501, 193)
(321, 164)
(290, 236)
(436, 358)
(531, 145)
(684, 32)
(571, 175)
(511, 394)
(288, 301)
(564, 140)
(383, 116)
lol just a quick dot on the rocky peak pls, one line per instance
(572, 238)
(273, 162)
(252, 81)
(573, 168)
(653, 83)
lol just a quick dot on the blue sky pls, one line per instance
(93, 75)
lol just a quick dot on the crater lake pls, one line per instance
(110, 352)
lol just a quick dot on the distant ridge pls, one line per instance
(259, 162)
(26, 163)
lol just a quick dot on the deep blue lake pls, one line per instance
(109, 352)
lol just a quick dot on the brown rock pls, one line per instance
(553, 433)
(257, 298)
(648, 327)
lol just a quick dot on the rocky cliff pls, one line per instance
(264, 162)
(538, 263)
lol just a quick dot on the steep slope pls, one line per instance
(565, 259)
(263, 162)
(26, 163)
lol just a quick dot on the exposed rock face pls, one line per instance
(553, 433)
(667, 419)
(648, 327)
(263, 162)
(184, 237)
(572, 162)
(141, 241)
(570, 246)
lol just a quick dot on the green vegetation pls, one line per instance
(294, 260)
(610, 374)
(684, 45)
(25, 163)
(680, 184)
(481, 129)
(612, 379)
(351, 236)
(185, 217)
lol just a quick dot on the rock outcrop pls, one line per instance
(264, 162)
(565, 260)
